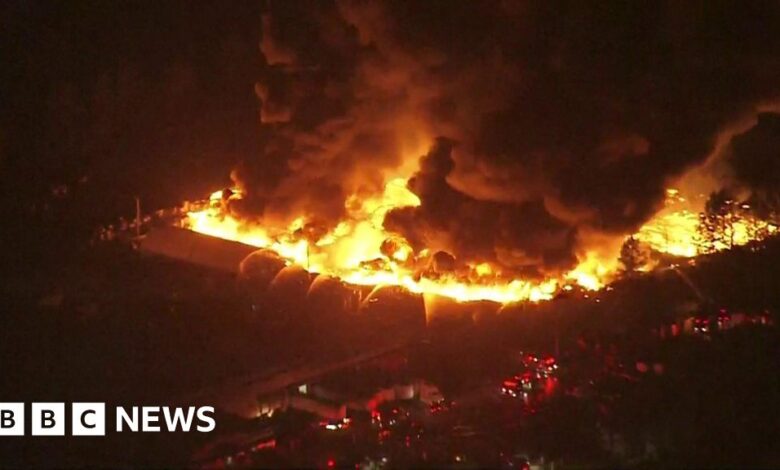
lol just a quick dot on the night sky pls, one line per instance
(145, 98)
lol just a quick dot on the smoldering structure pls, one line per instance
(524, 127)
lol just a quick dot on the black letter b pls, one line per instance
(7, 419)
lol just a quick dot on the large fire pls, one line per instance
(360, 251)
(675, 229)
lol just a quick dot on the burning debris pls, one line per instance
(361, 251)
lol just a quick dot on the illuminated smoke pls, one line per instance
(528, 130)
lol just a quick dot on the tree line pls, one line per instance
(725, 222)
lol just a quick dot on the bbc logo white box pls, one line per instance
(12, 419)
(48, 419)
(88, 419)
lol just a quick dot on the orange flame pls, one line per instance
(674, 230)
(352, 252)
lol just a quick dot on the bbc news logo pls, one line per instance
(89, 419)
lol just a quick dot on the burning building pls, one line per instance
(387, 161)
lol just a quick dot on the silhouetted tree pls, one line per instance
(633, 256)
(717, 224)
(763, 211)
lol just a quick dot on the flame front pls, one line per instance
(359, 251)
(675, 229)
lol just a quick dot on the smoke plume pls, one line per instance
(524, 124)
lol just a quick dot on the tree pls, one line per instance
(718, 223)
(633, 256)
(763, 210)
(765, 205)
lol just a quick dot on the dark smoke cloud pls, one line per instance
(566, 117)
(522, 235)
(755, 159)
